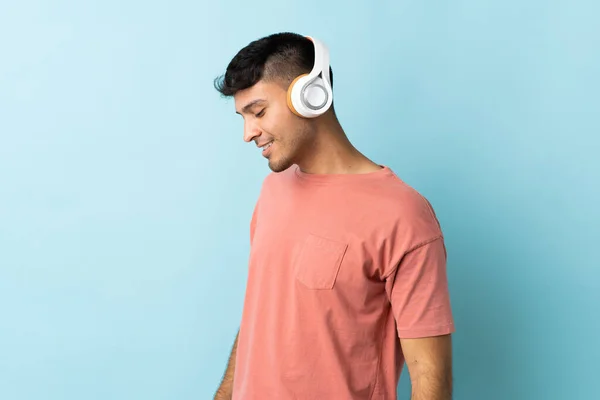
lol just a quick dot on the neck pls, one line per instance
(332, 152)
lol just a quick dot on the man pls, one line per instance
(347, 269)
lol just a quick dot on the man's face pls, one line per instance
(282, 136)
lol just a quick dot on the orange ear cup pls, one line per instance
(289, 92)
(289, 96)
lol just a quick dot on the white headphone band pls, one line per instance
(310, 95)
(321, 63)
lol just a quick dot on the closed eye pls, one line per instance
(261, 113)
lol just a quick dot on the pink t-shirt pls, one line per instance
(341, 267)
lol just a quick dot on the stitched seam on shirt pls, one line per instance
(419, 245)
(381, 336)
(426, 330)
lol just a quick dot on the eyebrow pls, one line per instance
(249, 106)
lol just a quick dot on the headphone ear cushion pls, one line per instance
(316, 95)
(293, 103)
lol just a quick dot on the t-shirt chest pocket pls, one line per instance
(319, 261)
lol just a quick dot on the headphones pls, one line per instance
(311, 95)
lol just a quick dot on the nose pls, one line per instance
(251, 130)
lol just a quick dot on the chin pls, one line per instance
(279, 165)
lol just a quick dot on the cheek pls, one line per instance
(276, 125)
(281, 124)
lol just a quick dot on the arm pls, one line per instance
(429, 362)
(419, 294)
(225, 390)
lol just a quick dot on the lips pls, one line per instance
(266, 145)
(266, 149)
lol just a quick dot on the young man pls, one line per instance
(347, 270)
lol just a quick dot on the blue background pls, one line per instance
(126, 188)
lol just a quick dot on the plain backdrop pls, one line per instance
(126, 188)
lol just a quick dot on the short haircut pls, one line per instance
(279, 57)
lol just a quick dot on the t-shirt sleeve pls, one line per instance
(418, 292)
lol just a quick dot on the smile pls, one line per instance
(266, 149)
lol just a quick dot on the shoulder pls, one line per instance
(273, 184)
(409, 210)
(403, 199)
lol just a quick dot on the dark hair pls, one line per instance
(280, 56)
